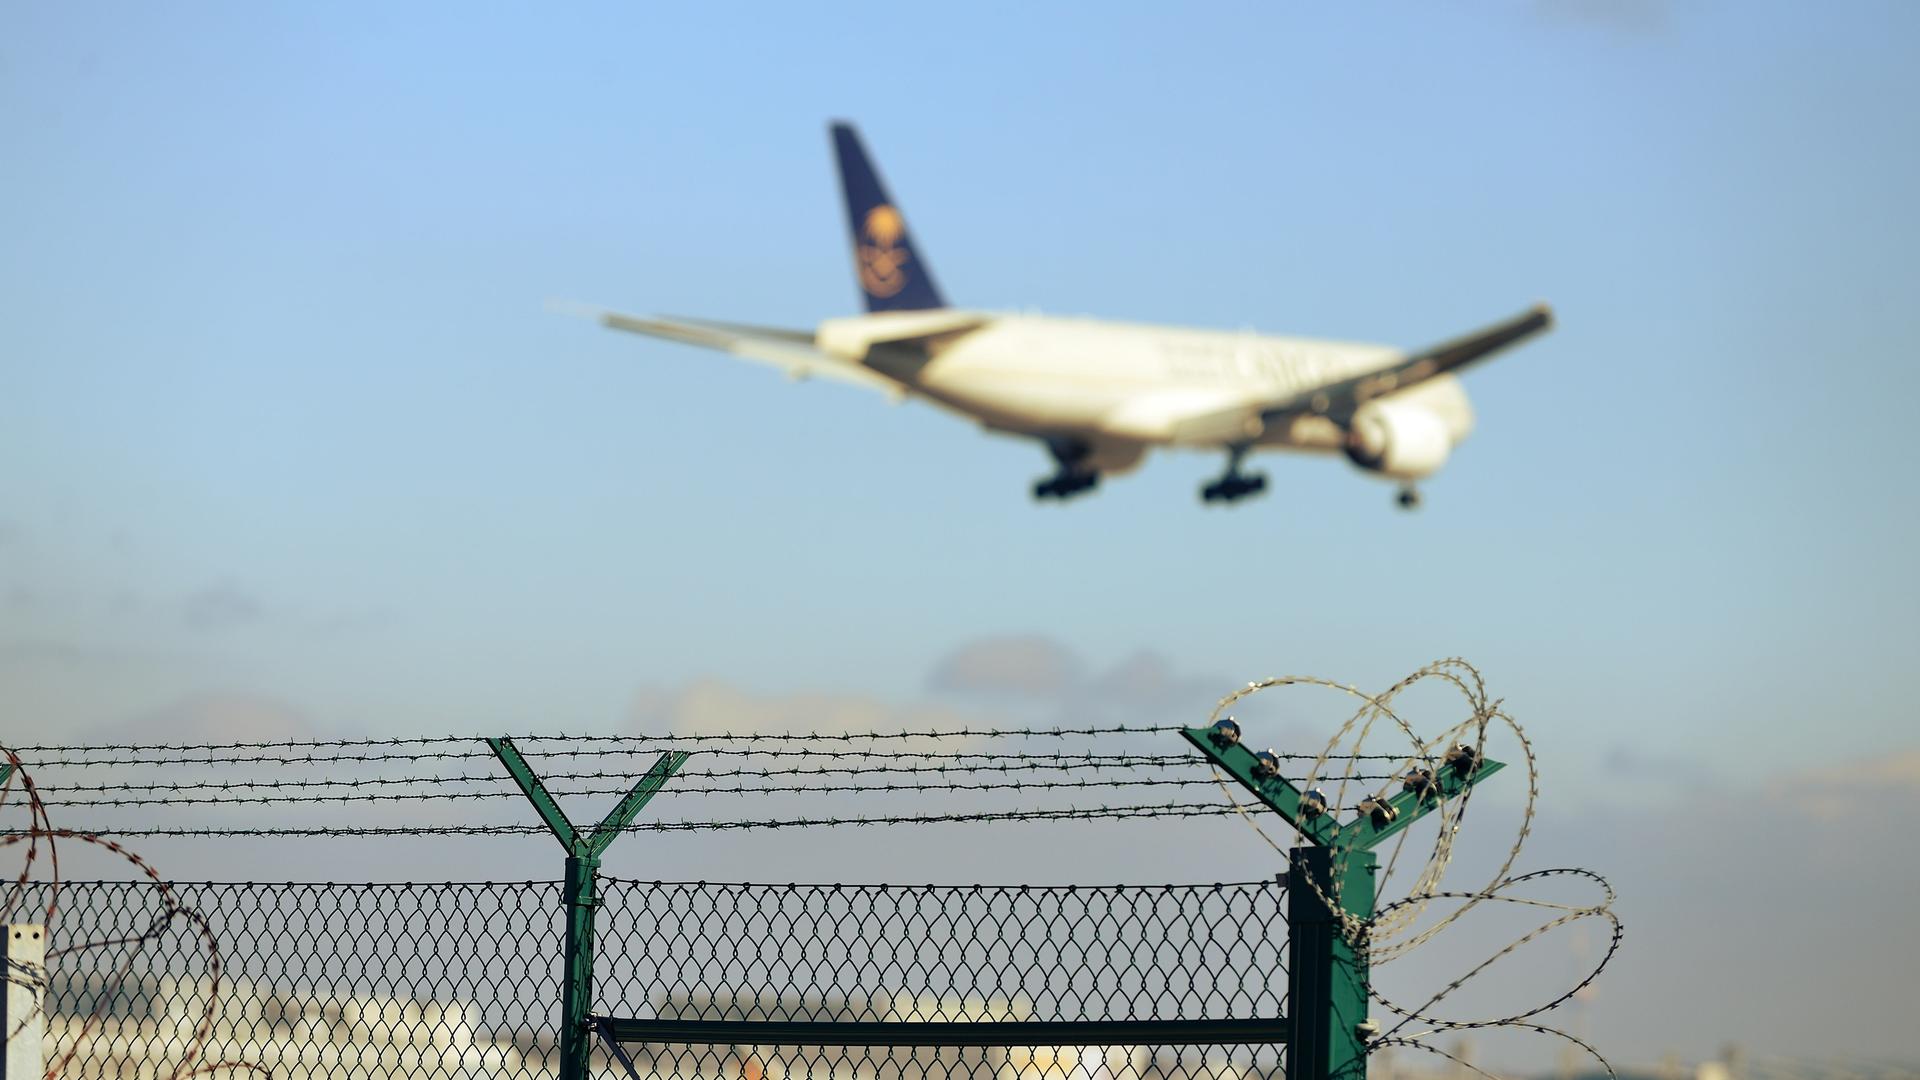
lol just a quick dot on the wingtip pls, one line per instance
(1545, 311)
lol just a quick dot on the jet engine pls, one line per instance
(1398, 439)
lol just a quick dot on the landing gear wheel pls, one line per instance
(1073, 477)
(1409, 498)
(1065, 485)
(1233, 487)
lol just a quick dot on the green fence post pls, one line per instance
(580, 892)
(578, 895)
(1326, 967)
(1327, 950)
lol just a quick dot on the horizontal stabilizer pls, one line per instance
(792, 351)
(864, 336)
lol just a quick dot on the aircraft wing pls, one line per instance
(792, 351)
(1340, 400)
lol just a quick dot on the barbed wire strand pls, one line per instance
(1048, 762)
(508, 791)
(1146, 810)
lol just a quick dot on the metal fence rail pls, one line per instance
(459, 980)
(963, 1063)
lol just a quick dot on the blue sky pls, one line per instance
(288, 432)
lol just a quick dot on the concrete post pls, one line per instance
(25, 1018)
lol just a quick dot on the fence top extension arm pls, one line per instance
(1308, 812)
(590, 844)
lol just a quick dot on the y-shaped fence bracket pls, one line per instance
(580, 893)
(1326, 963)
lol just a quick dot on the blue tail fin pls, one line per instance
(893, 276)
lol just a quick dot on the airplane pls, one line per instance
(1098, 395)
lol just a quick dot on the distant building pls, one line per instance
(143, 1028)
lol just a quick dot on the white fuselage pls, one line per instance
(1122, 387)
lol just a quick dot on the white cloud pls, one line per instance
(215, 717)
(1027, 666)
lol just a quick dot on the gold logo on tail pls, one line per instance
(883, 262)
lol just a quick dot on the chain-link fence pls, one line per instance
(461, 980)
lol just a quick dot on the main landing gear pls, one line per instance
(1234, 485)
(1065, 485)
(1072, 477)
(1409, 498)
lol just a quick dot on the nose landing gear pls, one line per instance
(1409, 498)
